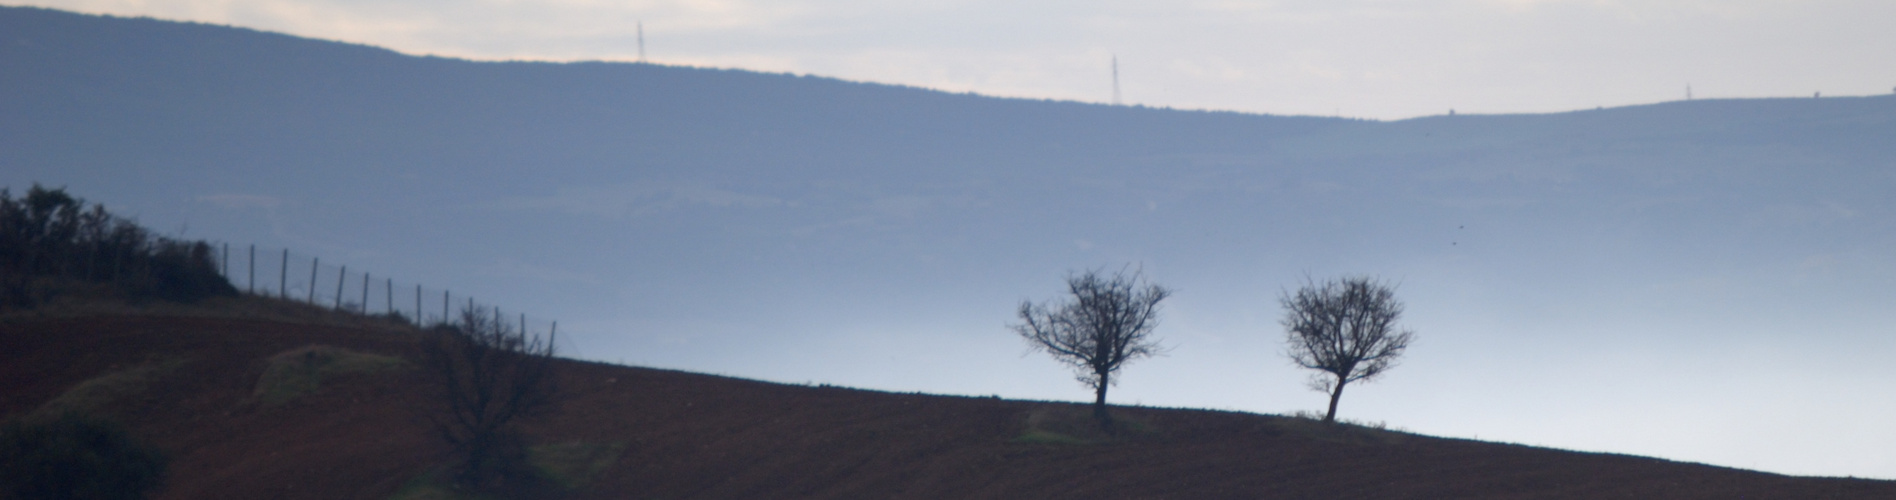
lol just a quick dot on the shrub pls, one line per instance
(73, 457)
(49, 236)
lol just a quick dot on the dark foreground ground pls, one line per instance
(189, 385)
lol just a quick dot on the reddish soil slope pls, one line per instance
(698, 436)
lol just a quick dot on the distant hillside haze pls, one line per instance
(1702, 280)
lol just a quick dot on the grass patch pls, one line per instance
(1343, 431)
(429, 486)
(1067, 424)
(94, 395)
(417, 490)
(574, 464)
(436, 485)
(558, 469)
(1043, 436)
(298, 372)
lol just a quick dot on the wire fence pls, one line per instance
(287, 275)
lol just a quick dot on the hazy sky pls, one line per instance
(1381, 59)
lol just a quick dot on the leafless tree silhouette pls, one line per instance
(1346, 330)
(487, 375)
(1107, 322)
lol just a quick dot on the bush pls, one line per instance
(73, 457)
(50, 237)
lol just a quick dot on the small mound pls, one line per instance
(573, 464)
(96, 394)
(301, 371)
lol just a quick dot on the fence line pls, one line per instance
(363, 293)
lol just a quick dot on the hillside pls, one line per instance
(1678, 279)
(686, 435)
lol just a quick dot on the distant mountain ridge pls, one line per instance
(238, 83)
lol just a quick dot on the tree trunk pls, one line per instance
(1099, 403)
(1334, 395)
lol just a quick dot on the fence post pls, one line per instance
(342, 276)
(313, 261)
(120, 260)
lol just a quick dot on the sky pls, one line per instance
(1379, 59)
(1708, 299)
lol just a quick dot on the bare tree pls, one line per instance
(1346, 330)
(1107, 322)
(487, 374)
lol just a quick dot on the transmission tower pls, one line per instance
(1115, 79)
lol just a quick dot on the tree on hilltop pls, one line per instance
(487, 374)
(1346, 330)
(1107, 322)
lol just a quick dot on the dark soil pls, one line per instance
(687, 435)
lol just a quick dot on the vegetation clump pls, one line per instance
(74, 457)
(51, 241)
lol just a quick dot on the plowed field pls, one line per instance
(676, 435)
